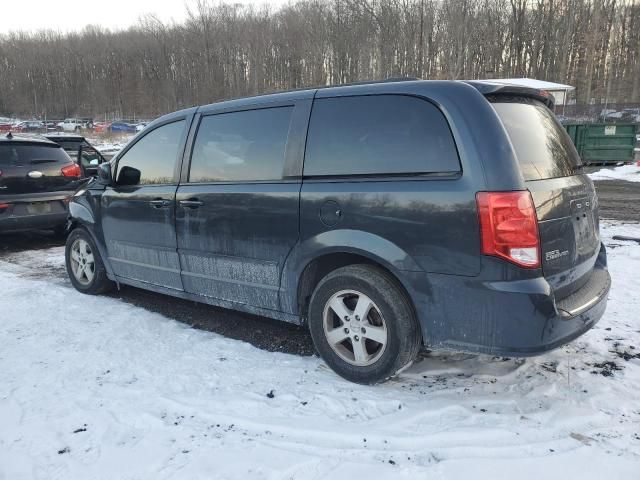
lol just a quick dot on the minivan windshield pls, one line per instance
(542, 145)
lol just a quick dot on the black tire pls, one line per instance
(403, 336)
(99, 283)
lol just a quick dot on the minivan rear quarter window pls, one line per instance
(542, 145)
(248, 145)
(378, 134)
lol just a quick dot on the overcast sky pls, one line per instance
(113, 14)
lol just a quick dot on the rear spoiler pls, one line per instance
(486, 87)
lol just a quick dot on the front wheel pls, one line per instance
(84, 264)
(363, 325)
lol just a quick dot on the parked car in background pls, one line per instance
(383, 216)
(610, 115)
(73, 125)
(80, 150)
(101, 127)
(37, 179)
(631, 115)
(627, 115)
(30, 126)
(5, 126)
(122, 127)
(88, 122)
(52, 125)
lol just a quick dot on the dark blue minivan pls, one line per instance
(386, 216)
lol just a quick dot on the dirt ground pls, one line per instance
(619, 201)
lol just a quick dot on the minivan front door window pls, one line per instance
(154, 155)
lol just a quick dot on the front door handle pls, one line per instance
(191, 203)
(160, 203)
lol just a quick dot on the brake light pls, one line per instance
(509, 227)
(72, 170)
(4, 206)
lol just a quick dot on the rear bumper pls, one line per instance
(16, 217)
(512, 318)
(32, 222)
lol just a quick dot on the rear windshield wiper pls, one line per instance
(35, 162)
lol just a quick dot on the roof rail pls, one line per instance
(367, 82)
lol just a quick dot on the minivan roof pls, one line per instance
(300, 92)
(485, 87)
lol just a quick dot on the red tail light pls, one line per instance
(509, 227)
(72, 170)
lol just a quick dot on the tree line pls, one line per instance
(224, 50)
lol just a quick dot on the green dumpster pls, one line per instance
(604, 143)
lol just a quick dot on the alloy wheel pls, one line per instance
(355, 328)
(82, 262)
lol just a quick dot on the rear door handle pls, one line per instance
(160, 203)
(191, 203)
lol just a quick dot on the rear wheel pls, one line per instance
(84, 265)
(363, 325)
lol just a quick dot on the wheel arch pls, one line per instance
(320, 254)
(82, 216)
(319, 267)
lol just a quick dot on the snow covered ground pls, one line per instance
(94, 388)
(110, 145)
(630, 173)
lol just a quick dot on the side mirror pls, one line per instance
(128, 176)
(104, 174)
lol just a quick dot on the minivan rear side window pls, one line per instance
(378, 134)
(248, 145)
(542, 145)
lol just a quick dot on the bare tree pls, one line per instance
(228, 50)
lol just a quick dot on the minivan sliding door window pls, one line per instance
(248, 145)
